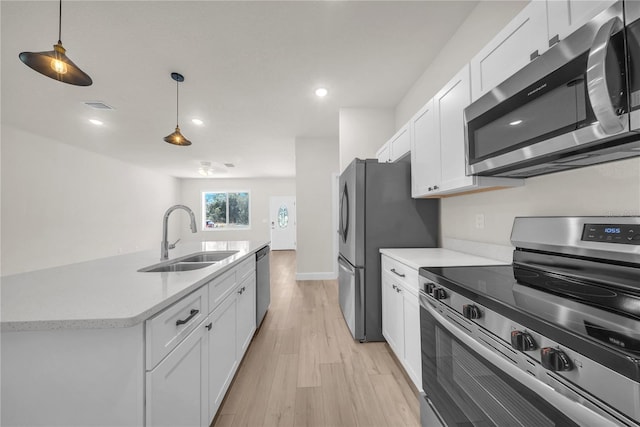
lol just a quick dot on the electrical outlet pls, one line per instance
(479, 221)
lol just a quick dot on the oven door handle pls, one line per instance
(597, 85)
(574, 410)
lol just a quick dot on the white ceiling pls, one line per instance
(250, 72)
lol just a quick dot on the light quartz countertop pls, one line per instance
(107, 292)
(436, 257)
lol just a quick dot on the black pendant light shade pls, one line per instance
(176, 138)
(55, 63)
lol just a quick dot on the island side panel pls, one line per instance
(67, 377)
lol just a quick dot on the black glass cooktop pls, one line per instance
(592, 309)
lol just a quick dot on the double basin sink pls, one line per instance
(189, 262)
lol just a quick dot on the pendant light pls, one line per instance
(55, 63)
(176, 138)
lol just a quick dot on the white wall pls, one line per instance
(62, 204)
(316, 162)
(600, 190)
(363, 131)
(482, 24)
(260, 189)
(609, 189)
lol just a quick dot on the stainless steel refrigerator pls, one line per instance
(376, 211)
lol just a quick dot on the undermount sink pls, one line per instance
(189, 262)
(209, 256)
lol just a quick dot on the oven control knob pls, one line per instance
(429, 288)
(439, 293)
(555, 360)
(471, 311)
(522, 341)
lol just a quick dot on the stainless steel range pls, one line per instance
(551, 340)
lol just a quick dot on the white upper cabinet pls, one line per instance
(400, 143)
(515, 46)
(449, 105)
(438, 165)
(397, 147)
(425, 152)
(384, 154)
(566, 16)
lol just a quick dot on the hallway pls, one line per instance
(304, 369)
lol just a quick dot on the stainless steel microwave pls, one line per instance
(575, 105)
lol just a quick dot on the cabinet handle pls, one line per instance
(394, 286)
(393, 270)
(435, 187)
(430, 188)
(241, 290)
(398, 290)
(209, 326)
(192, 314)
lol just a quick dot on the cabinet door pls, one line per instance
(449, 105)
(412, 350)
(246, 314)
(384, 154)
(511, 49)
(566, 16)
(392, 323)
(400, 144)
(425, 152)
(223, 360)
(177, 393)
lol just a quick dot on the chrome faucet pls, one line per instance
(165, 246)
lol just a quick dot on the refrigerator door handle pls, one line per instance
(345, 265)
(344, 216)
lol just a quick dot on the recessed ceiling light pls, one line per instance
(321, 92)
(96, 122)
(515, 123)
(197, 122)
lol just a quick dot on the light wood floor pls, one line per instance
(304, 369)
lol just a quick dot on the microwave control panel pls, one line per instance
(627, 234)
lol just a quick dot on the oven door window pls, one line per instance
(467, 390)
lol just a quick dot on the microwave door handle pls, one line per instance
(597, 78)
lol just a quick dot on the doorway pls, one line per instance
(283, 222)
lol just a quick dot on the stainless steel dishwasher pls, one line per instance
(263, 287)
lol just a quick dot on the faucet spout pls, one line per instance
(164, 246)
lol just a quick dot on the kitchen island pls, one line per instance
(101, 343)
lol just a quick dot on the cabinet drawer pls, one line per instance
(246, 269)
(166, 329)
(220, 287)
(404, 274)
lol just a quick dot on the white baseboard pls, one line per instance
(330, 275)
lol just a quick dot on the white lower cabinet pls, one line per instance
(177, 392)
(222, 351)
(401, 316)
(187, 387)
(412, 348)
(246, 295)
(392, 314)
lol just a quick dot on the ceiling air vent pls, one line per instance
(230, 165)
(98, 105)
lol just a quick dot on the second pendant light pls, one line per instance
(176, 138)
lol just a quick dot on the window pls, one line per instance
(225, 210)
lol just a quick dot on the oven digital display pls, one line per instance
(627, 234)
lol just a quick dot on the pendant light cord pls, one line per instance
(177, 83)
(60, 24)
